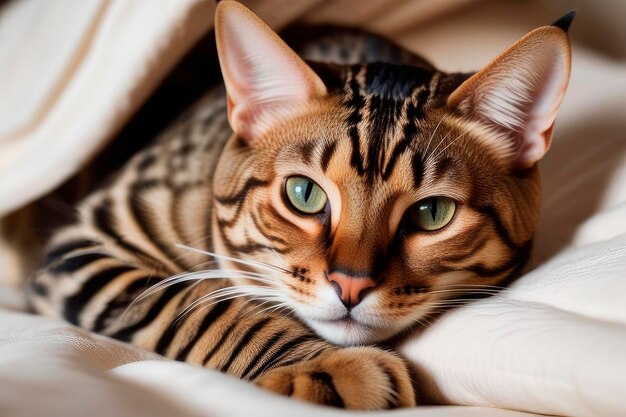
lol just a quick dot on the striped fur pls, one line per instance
(262, 308)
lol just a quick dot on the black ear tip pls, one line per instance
(565, 21)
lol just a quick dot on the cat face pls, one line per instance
(380, 195)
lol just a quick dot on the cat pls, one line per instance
(320, 208)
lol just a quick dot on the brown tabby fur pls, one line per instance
(382, 139)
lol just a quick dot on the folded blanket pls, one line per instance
(553, 343)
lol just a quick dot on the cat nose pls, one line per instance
(350, 289)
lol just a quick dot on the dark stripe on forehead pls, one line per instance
(395, 81)
(414, 112)
(327, 154)
(306, 150)
(417, 170)
(355, 103)
(409, 132)
(386, 89)
(383, 117)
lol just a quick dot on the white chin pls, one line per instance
(349, 333)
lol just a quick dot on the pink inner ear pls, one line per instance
(519, 93)
(549, 78)
(265, 80)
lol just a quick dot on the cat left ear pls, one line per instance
(265, 80)
(518, 94)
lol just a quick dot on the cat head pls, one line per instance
(378, 192)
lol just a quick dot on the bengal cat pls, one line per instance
(288, 226)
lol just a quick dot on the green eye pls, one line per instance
(305, 195)
(432, 213)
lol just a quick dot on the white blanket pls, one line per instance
(554, 343)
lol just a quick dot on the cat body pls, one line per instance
(321, 208)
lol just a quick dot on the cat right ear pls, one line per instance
(265, 80)
(517, 95)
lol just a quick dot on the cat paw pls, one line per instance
(361, 378)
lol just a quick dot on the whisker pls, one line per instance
(470, 285)
(250, 290)
(268, 299)
(199, 275)
(470, 289)
(449, 303)
(202, 275)
(467, 289)
(216, 298)
(254, 264)
(476, 292)
(274, 308)
(448, 145)
(433, 134)
(428, 158)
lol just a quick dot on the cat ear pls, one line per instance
(518, 94)
(265, 80)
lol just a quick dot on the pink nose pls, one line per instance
(350, 289)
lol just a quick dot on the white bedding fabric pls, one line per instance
(554, 343)
(48, 367)
(78, 53)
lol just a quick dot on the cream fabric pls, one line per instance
(72, 73)
(49, 368)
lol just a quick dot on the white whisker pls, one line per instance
(433, 135)
(245, 290)
(268, 299)
(201, 303)
(468, 291)
(428, 158)
(470, 285)
(254, 264)
(273, 308)
(203, 275)
(448, 145)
